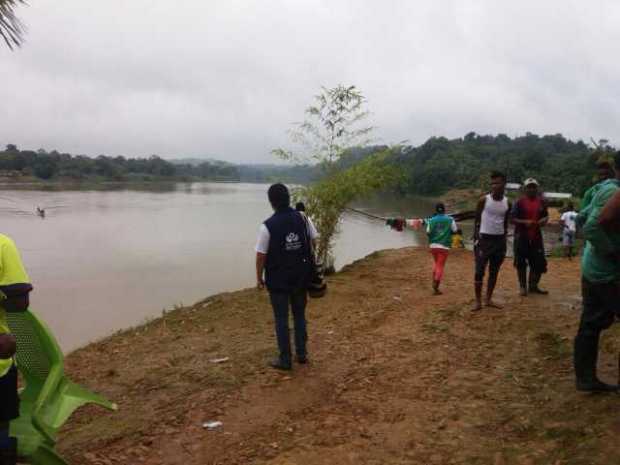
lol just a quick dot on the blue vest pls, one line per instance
(287, 268)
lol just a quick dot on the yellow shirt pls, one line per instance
(11, 272)
(457, 241)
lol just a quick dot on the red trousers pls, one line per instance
(439, 262)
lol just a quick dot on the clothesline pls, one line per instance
(369, 215)
(458, 216)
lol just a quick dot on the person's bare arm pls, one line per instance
(8, 346)
(545, 215)
(261, 258)
(609, 219)
(514, 219)
(508, 217)
(478, 220)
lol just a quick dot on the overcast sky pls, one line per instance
(225, 78)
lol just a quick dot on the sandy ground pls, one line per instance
(397, 376)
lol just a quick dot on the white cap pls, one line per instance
(530, 181)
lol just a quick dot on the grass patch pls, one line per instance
(435, 327)
(553, 346)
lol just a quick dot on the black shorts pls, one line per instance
(492, 250)
(532, 253)
(9, 398)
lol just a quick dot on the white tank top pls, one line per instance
(493, 216)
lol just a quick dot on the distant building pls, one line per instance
(10, 173)
(557, 195)
(515, 186)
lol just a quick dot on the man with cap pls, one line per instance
(529, 215)
(600, 280)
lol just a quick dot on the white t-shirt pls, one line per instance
(494, 216)
(569, 220)
(262, 243)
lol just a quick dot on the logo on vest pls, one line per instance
(292, 242)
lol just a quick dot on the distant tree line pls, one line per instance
(63, 166)
(440, 164)
(266, 173)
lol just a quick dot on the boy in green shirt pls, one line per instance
(439, 228)
(600, 281)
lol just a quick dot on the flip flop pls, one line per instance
(493, 305)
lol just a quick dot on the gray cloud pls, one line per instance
(225, 78)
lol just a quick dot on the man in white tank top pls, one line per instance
(491, 227)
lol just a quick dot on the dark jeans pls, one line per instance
(601, 304)
(9, 399)
(280, 303)
(4, 435)
(530, 252)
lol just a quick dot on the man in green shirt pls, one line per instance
(600, 281)
(14, 290)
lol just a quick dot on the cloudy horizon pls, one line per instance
(225, 79)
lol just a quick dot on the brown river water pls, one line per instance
(104, 260)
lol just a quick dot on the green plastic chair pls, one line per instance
(48, 398)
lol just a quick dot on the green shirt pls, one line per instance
(439, 229)
(586, 202)
(589, 195)
(597, 264)
(11, 272)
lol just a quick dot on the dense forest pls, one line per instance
(441, 164)
(43, 165)
(432, 168)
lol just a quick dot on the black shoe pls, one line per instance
(538, 290)
(302, 359)
(280, 365)
(596, 386)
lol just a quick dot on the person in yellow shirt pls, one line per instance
(457, 239)
(14, 296)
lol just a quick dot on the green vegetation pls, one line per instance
(270, 173)
(433, 168)
(327, 199)
(11, 29)
(441, 164)
(334, 125)
(19, 165)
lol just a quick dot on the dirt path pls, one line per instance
(397, 377)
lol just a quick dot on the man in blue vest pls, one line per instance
(283, 256)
